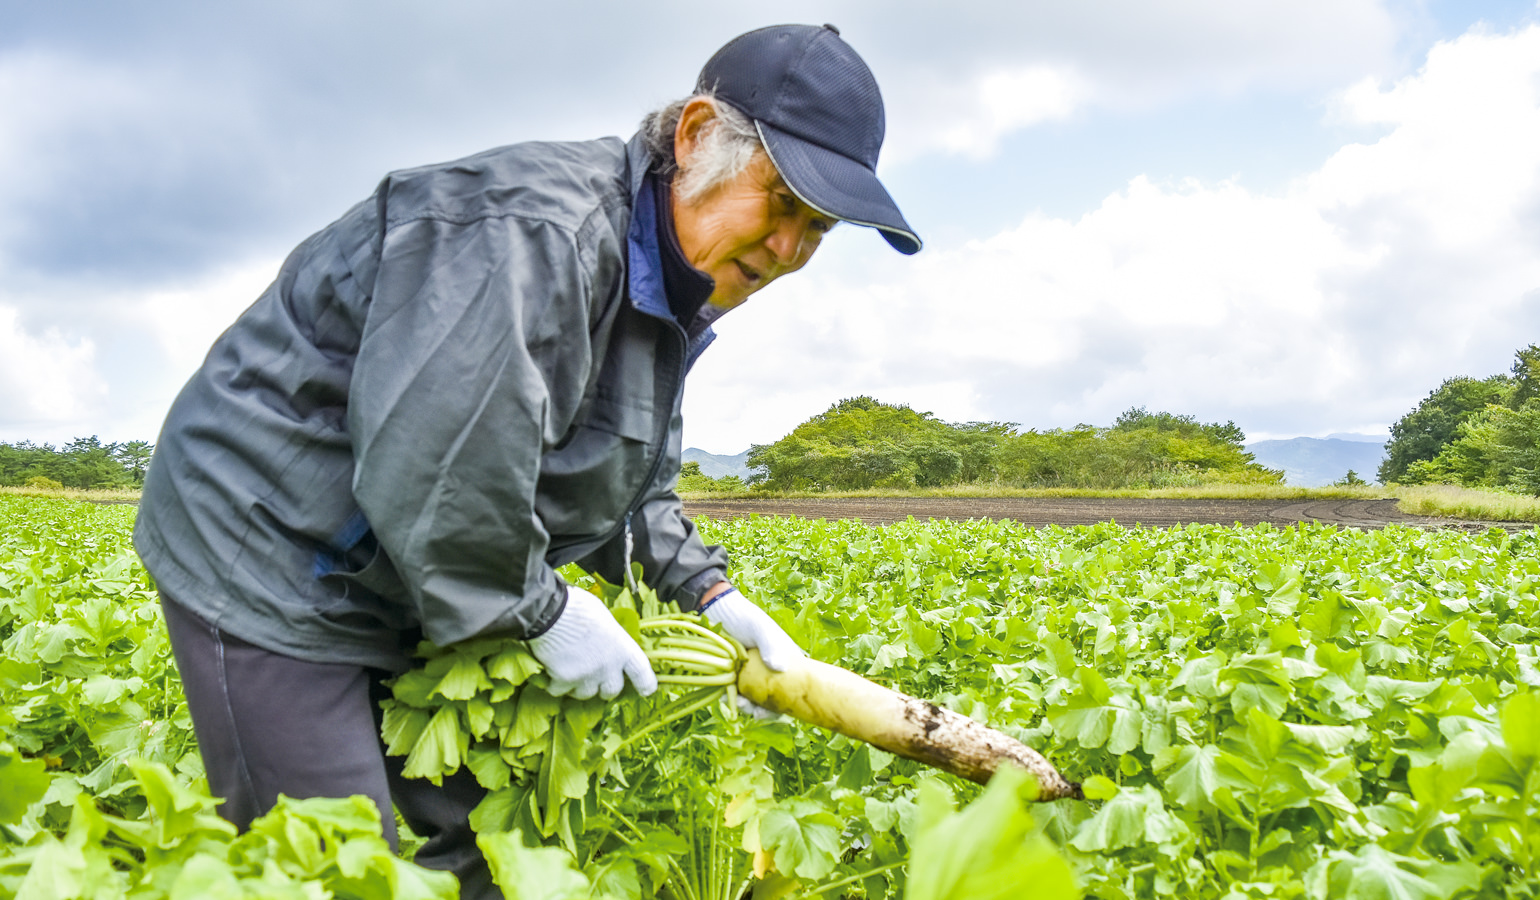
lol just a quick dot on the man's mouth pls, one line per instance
(749, 274)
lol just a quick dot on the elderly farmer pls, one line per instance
(470, 379)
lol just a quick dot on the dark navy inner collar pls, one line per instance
(645, 269)
(644, 266)
(686, 286)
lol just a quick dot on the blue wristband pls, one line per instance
(702, 608)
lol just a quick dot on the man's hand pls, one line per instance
(752, 627)
(586, 652)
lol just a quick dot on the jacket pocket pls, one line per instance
(587, 483)
(619, 417)
(362, 579)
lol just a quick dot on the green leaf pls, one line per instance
(294, 843)
(1192, 778)
(511, 808)
(525, 873)
(479, 715)
(461, 679)
(804, 838)
(1264, 737)
(987, 851)
(1283, 635)
(1437, 785)
(1200, 675)
(1094, 716)
(487, 764)
(1377, 874)
(1495, 770)
(1325, 738)
(1281, 584)
(887, 656)
(1383, 692)
(206, 877)
(1123, 820)
(175, 809)
(1346, 664)
(629, 620)
(617, 878)
(1062, 654)
(403, 726)
(54, 641)
(1257, 681)
(1450, 879)
(513, 664)
(366, 867)
(78, 866)
(883, 814)
(1099, 787)
(104, 690)
(567, 776)
(1521, 724)
(59, 872)
(22, 783)
(440, 749)
(857, 772)
(536, 710)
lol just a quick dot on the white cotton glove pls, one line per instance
(586, 652)
(753, 628)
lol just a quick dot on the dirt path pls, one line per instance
(1039, 511)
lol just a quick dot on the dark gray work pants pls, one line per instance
(269, 724)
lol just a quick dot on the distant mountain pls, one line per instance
(1316, 462)
(715, 466)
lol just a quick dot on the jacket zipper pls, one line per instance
(683, 346)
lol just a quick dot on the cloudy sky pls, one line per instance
(1300, 215)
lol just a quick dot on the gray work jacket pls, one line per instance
(471, 378)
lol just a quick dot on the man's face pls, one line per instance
(748, 232)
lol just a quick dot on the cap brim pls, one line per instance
(837, 186)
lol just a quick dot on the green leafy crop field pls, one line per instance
(1265, 712)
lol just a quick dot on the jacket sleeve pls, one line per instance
(461, 384)
(680, 565)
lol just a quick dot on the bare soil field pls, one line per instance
(1040, 511)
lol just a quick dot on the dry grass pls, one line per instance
(1467, 503)
(115, 495)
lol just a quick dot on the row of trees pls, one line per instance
(1473, 432)
(863, 443)
(81, 463)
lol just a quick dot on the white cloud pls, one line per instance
(958, 81)
(185, 320)
(149, 136)
(148, 142)
(970, 119)
(1332, 306)
(1464, 147)
(46, 379)
(88, 360)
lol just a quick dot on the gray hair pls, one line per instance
(727, 146)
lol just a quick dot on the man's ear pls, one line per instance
(698, 113)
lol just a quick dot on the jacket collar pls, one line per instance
(644, 263)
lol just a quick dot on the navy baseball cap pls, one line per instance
(819, 115)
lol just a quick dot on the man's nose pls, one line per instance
(789, 243)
